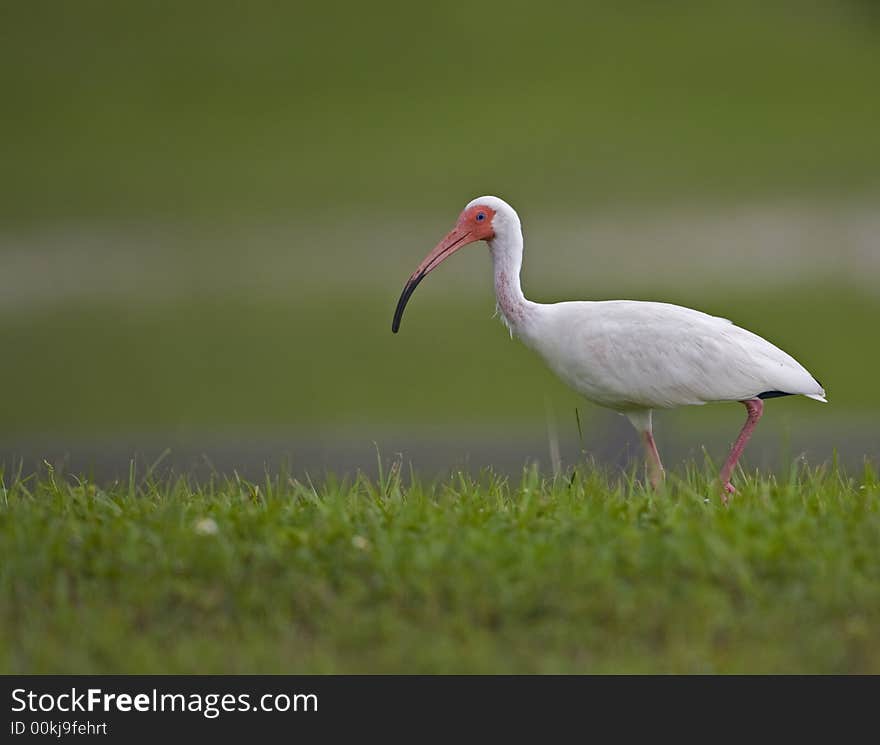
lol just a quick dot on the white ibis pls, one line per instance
(629, 356)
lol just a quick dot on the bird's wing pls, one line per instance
(657, 355)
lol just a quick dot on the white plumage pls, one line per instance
(627, 355)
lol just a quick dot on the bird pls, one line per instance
(630, 356)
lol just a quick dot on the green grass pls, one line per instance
(587, 573)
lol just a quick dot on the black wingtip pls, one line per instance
(773, 394)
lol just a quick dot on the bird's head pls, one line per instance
(481, 220)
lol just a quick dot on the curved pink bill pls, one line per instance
(457, 239)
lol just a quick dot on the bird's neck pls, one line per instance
(507, 253)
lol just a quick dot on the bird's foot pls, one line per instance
(656, 479)
(726, 491)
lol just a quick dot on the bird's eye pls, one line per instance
(481, 216)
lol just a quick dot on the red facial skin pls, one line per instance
(474, 224)
(482, 230)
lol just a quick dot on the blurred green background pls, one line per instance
(208, 210)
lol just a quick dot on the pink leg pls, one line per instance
(655, 467)
(755, 407)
